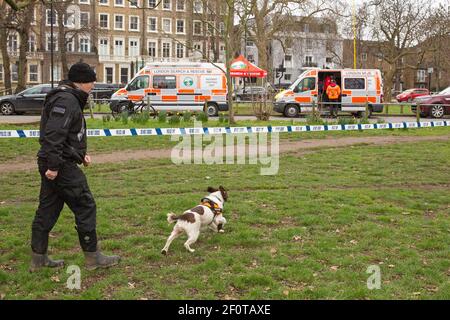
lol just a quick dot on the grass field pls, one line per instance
(309, 232)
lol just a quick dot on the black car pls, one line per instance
(29, 100)
(102, 92)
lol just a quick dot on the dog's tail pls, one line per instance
(171, 217)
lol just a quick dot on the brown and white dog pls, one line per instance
(208, 213)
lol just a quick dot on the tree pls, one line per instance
(398, 27)
(5, 26)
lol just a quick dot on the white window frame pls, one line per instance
(113, 66)
(119, 5)
(155, 7)
(88, 19)
(99, 20)
(84, 1)
(129, 23)
(123, 22)
(1, 71)
(162, 25)
(71, 42)
(193, 28)
(47, 36)
(56, 77)
(108, 46)
(162, 49)
(32, 34)
(184, 26)
(103, 4)
(183, 47)
(124, 66)
(156, 24)
(123, 46)
(84, 37)
(184, 6)
(156, 47)
(170, 5)
(46, 18)
(132, 5)
(201, 6)
(138, 53)
(364, 56)
(74, 20)
(36, 73)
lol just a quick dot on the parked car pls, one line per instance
(102, 92)
(435, 106)
(249, 93)
(29, 100)
(411, 94)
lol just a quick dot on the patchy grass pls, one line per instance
(309, 232)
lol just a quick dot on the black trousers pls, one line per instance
(69, 187)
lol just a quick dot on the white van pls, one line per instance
(177, 86)
(358, 87)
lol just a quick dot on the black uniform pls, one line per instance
(63, 147)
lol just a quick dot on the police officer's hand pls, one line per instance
(87, 160)
(51, 175)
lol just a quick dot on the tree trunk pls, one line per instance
(62, 48)
(229, 35)
(24, 33)
(189, 27)
(5, 56)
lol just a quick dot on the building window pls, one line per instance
(69, 19)
(124, 75)
(151, 49)
(84, 45)
(181, 5)
(103, 2)
(198, 47)
(152, 24)
(104, 20)
(210, 28)
(167, 25)
(83, 1)
(118, 48)
(134, 3)
(288, 61)
(118, 22)
(198, 6)
(84, 19)
(309, 44)
(166, 50)
(152, 4)
(49, 42)
(134, 23)
(364, 56)
(103, 47)
(49, 18)
(167, 4)
(33, 73)
(306, 28)
(221, 28)
(69, 44)
(119, 3)
(1, 72)
(56, 73)
(328, 60)
(287, 77)
(32, 43)
(133, 49)
(14, 72)
(197, 27)
(180, 26)
(109, 74)
(180, 50)
(421, 74)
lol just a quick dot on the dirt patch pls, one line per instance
(293, 147)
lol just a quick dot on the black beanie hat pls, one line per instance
(81, 72)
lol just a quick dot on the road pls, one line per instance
(24, 119)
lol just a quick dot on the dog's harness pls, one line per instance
(213, 206)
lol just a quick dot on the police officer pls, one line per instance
(63, 148)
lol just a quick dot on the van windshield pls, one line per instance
(138, 83)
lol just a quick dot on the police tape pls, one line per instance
(234, 130)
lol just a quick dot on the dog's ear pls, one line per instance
(211, 190)
(224, 193)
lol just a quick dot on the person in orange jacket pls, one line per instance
(333, 93)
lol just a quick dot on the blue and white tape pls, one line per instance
(232, 130)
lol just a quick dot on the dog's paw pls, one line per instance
(221, 231)
(164, 252)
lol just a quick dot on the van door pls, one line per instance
(354, 93)
(135, 89)
(305, 93)
(165, 93)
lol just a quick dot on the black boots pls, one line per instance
(97, 259)
(39, 261)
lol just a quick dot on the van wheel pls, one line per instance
(362, 114)
(212, 109)
(291, 111)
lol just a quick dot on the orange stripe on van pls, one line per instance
(359, 99)
(186, 91)
(169, 98)
(348, 92)
(314, 92)
(135, 97)
(151, 90)
(202, 98)
(224, 83)
(378, 83)
(372, 99)
(313, 73)
(216, 91)
(303, 99)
